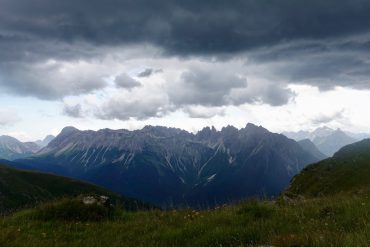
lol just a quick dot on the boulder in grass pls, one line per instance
(83, 208)
(98, 200)
(89, 200)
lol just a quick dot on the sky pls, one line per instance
(287, 65)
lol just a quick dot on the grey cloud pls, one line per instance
(148, 72)
(277, 96)
(321, 43)
(135, 106)
(47, 81)
(202, 91)
(262, 93)
(325, 64)
(74, 111)
(316, 34)
(204, 86)
(219, 85)
(327, 118)
(125, 81)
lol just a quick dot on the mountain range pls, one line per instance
(327, 140)
(334, 191)
(12, 149)
(169, 166)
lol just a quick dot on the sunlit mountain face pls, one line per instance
(285, 65)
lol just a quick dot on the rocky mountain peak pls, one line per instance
(229, 129)
(68, 130)
(252, 128)
(161, 131)
(322, 131)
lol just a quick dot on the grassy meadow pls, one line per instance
(341, 220)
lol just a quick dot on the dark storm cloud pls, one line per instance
(185, 27)
(325, 64)
(311, 42)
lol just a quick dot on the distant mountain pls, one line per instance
(331, 143)
(327, 140)
(20, 189)
(310, 147)
(348, 171)
(32, 147)
(11, 148)
(358, 136)
(171, 166)
(45, 142)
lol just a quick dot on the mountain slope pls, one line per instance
(327, 140)
(310, 147)
(45, 141)
(19, 189)
(171, 166)
(11, 148)
(347, 171)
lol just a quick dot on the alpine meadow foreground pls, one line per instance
(340, 220)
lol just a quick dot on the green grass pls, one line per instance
(341, 220)
(347, 172)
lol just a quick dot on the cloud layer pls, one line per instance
(183, 27)
(146, 58)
